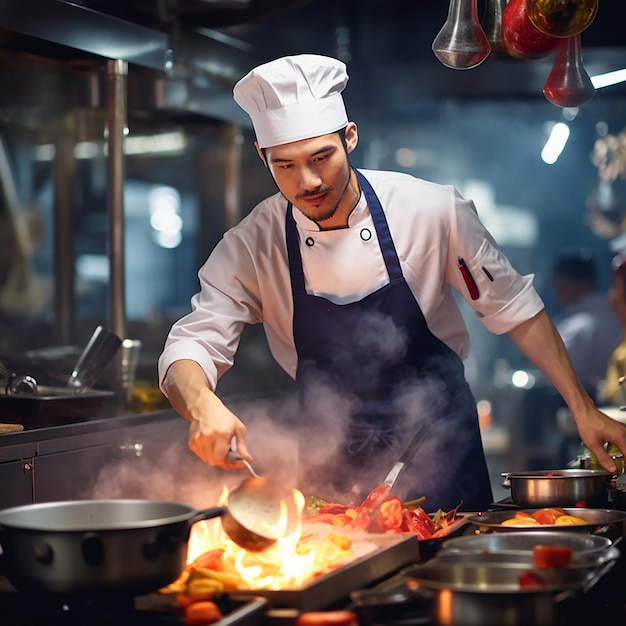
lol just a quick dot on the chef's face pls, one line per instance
(315, 175)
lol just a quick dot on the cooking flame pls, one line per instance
(290, 562)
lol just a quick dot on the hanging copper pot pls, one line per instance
(521, 37)
(562, 18)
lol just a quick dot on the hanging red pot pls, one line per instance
(521, 37)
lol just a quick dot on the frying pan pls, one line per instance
(595, 518)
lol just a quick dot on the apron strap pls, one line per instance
(387, 247)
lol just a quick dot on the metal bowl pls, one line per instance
(517, 547)
(564, 487)
(611, 522)
(524, 542)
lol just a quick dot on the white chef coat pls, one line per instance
(245, 280)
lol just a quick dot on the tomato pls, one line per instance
(327, 618)
(529, 579)
(548, 515)
(522, 515)
(545, 557)
(202, 613)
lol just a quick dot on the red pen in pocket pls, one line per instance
(472, 287)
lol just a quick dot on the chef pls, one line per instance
(353, 273)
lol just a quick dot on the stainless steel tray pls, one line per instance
(393, 553)
(53, 405)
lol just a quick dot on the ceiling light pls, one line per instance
(609, 78)
(555, 144)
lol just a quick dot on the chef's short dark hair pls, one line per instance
(577, 266)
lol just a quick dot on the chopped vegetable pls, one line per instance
(569, 520)
(530, 579)
(381, 512)
(548, 515)
(376, 496)
(552, 516)
(545, 557)
(327, 618)
(202, 613)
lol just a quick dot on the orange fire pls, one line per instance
(292, 561)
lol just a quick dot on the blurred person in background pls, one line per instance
(586, 321)
(613, 391)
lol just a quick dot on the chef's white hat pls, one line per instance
(294, 98)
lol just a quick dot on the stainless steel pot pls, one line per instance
(97, 546)
(102, 546)
(566, 487)
(479, 594)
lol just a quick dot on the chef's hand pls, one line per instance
(213, 426)
(595, 429)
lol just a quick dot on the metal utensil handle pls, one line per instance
(234, 458)
(416, 443)
(409, 452)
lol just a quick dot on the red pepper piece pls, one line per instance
(376, 496)
(388, 516)
(530, 579)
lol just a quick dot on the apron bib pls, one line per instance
(368, 372)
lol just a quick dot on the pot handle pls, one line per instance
(216, 511)
(570, 594)
(405, 591)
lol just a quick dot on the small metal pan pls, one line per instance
(596, 520)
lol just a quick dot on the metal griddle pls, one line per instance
(394, 552)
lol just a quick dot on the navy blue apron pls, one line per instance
(378, 362)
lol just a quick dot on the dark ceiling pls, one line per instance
(390, 40)
(383, 40)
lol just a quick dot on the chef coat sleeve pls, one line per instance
(227, 301)
(506, 298)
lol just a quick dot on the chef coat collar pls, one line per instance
(359, 212)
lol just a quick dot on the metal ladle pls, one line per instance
(259, 511)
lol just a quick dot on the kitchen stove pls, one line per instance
(32, 609)
(605, 601)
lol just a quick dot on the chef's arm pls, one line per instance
(213, 425)
(539, 340)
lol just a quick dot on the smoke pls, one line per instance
(303, 441)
